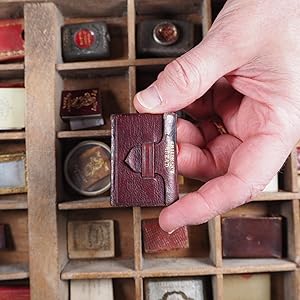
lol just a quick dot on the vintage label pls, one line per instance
(91, 239)
(84, 38)
(92, 236)
(170, 155)
(174, 289)
(88, 99)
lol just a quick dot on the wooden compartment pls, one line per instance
(199, 245)
(284, 209)
(64, 190)
(207, 288)
(281, 285)
(12, 201)
(113, 85)
(195, 13)
(117, 28)
(121, 263)
(14, 259)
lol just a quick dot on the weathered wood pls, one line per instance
(217, 286)
(138, 259)
(12, 135)
(214, 229)
(43, 84)
(131, 28)
(177, 267)
(14, 272)
(290, 173)
(83, 134)
(16, 237)
(233, 266)
(97, 269)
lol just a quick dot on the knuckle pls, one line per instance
(182, 75)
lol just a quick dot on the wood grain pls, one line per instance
(95, 269)
(13, 272)
(42, 88)
(12, 135)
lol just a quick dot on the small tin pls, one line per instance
(164, 38)
(85, 41)
(166, 33)
(87, 168)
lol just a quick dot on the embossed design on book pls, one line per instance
(92, 236)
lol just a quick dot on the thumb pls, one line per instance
(188, 77)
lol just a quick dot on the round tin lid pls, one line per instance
(166, 33)
(87, 168)
(84, 38)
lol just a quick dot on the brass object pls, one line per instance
(166, 33)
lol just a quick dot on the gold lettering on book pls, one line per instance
(88, 99)
(170, 156)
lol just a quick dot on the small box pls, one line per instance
(87, 168)
(83, 108)
(247, 287)
(179, 288)
(11, 40)
(164, 38)
(14, 292)
(252, 237)
(144, 160)
(13, 173)
(12, 108)
(91, 289)
(157, 240)
(85, 41)
(91, 239)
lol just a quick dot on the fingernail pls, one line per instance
(177, 149)
(170, 232)
(149, 98)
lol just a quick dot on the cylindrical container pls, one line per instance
(87, 168)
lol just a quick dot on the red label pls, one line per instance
(84, 38)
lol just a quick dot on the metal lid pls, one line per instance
(87, 168)
(165, 33)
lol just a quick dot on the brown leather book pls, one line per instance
(157, 240)
(144, 160)
(252, 237)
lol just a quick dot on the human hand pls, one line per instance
(252, 57)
